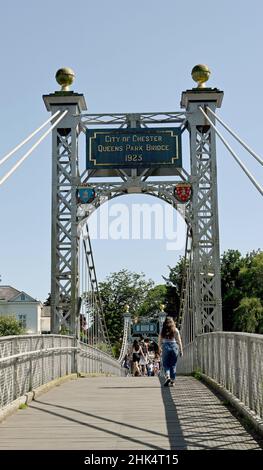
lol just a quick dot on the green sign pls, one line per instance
(131, 148)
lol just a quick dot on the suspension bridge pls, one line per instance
(89, 402)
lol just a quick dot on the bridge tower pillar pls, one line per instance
(207, 303)
(65, 178)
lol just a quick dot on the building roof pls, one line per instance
(8, 292)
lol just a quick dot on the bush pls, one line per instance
(197, 374)
(9, 325)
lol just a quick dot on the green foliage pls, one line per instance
(251, 275)
(115, 349)
(64, 330)
(9, 325)
(242, 291)
(226, 403)
(174, 287)
(23, 406)
(155, 297)
(47, 302)
(248, 316)
(102, 347)
(197, 374)
(231, 264)
(121, 288)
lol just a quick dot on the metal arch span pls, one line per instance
(163, 190)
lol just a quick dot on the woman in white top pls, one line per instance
(171, 344)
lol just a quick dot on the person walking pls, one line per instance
(136, 354)
(171, 346)
(143, 357)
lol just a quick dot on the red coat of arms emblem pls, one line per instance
(183, 192)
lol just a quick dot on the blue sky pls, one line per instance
(128, 57)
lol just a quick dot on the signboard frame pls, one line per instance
(153, 147)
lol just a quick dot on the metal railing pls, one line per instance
(29, 361)
(233, 360)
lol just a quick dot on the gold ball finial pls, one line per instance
(65, 77)
(162, 307)
(200, 74)
(126, 308)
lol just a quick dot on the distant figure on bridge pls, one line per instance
(171, 345)
(126, 364)
(136, 355)
(143, 356)
(156, 363)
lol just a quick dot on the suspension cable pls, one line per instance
(183, 286)
(257, 157)
(244, 168)
(28, 138)
(14, 168)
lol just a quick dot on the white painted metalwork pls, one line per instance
(233, 360)
(64, 239)
(94, 332)
(244, 168)
(161, 189)
(125, 339)
(254, 154)
(22, 159)
(187, 321)
(9, 154)
(27, 362)
(205, 266)
(200, 214)
(122, 119)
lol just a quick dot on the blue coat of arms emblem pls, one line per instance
(86, 195)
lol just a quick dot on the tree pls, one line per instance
(174, 287)
(47, 302)
(121, 288)
(9, 325)
(242, 290)
(251, 275)
(248, 316)
(155, 297)
(242, 283)
(231, 263)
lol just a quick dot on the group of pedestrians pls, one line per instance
(146, 358)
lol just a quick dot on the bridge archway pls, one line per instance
(158, 226)
(202, 213)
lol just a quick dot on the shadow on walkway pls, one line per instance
(198, 419)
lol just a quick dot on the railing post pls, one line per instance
(212, 353)
(249, 374)
(204, 353)
(53, 357)
(236, 366)
(42, 360)
(207, 355)
(30, 385)
(75, 356)
(218, 335)
(15, 386)
(226, 363)
(60, 358)
(199, 340)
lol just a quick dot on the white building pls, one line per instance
(45, 319)
(19, 304)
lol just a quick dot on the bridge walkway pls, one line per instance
(126, 413)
